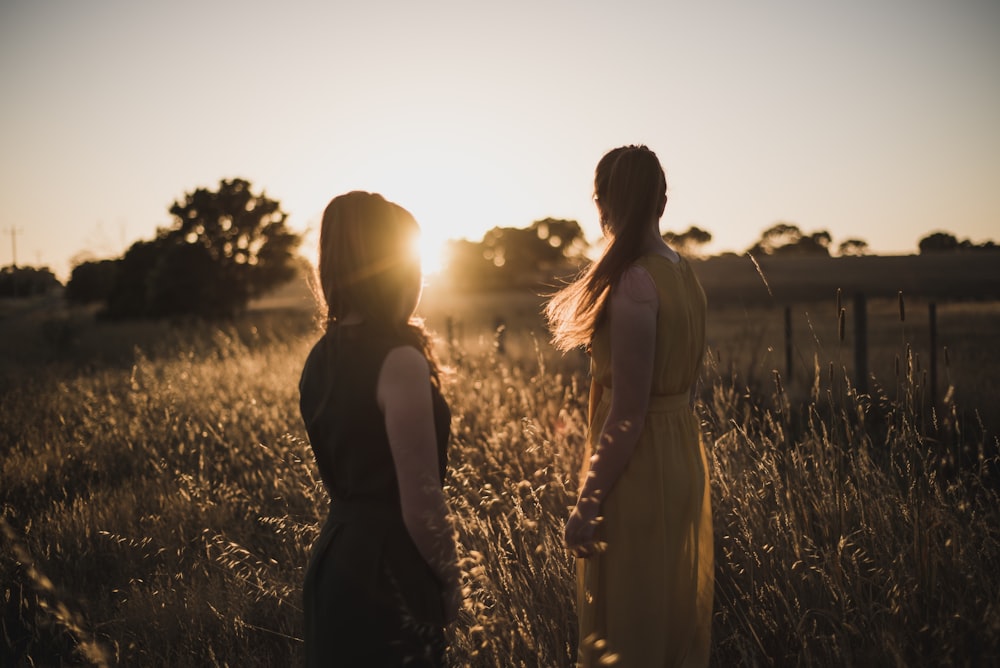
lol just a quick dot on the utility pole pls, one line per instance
(13, 244)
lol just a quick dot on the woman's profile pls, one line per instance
(642, 522)
(382, 581)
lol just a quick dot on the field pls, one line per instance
(158, 498)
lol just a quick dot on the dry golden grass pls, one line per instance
(158, 503)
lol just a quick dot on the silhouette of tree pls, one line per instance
(516, 251)
(91, 281)
(853, 247)
(21, 281)
(226, 247)
(128, 296)
(564, 236)
(517, 256)
(688, 242)
(945, 242)
(776, 236)
(788, 239)
(183, 271)
(816, 243)
(938, 242)
(243, 233)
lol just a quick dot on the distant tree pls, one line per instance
(852, 247)
(565, 237)
(21, 281)
(788, 239)
(938, 242)
(816, 243)
(969, 245)
(509, 256)
(945, 242)
(776, 236)
(243, 233)
(688, 242)
(185, 280)
(91, 281)
(521, 253)
(517, 251)
(129, 293)
(225, 247)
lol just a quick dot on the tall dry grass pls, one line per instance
(158, 505)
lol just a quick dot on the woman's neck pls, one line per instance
(653, 244)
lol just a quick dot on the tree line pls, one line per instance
(231, 244)
(224, 248)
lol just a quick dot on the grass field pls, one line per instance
(158, 498)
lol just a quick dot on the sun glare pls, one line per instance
(431, 248)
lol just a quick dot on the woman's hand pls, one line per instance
(581, 527)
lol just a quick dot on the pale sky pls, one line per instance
(874, 119)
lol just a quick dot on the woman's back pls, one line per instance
(345, 424)
(367, 583)
(649, 592)
(680, 329)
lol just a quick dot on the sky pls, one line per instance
(870, 119)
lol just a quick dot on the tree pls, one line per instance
(816, 243)
(945, 242)
(688, 242)
(510, 256)
(128, 296)
(777, 236)
(91, 281)
(522, 252)
(225, 247)
(788, 239)
(564, 236)
(243, 233)
(938, 242)
(853, 247)
(21, 281)
(183, 271)
(517, 250)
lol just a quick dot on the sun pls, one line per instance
(432, 253)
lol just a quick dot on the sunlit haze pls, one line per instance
(873, 120)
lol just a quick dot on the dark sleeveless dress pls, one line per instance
(370, 598)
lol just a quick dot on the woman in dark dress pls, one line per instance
(382, 581)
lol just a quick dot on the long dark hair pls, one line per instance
(630, 189)
(369, 264)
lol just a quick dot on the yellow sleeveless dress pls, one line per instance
(648, 595)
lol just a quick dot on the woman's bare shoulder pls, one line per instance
(635, 285)
(405, 360)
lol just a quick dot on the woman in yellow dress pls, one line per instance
(642, 525)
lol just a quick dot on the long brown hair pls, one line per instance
(630, 189)
(368, 265)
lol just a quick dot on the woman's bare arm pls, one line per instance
(633, 305)
(404, 395)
